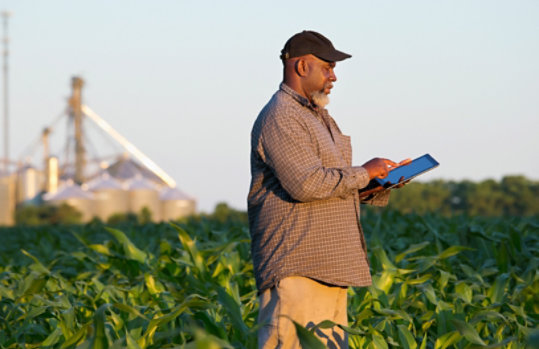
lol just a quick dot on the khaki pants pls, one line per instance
(307, 302)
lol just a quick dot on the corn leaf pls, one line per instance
(378, 342)
(406, 338)
(468, 332)
(99, 340)
(53, 338)
(308, 339)
(413, 248)
(130, 250)
(447, 339)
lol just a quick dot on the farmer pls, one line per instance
(303, 204)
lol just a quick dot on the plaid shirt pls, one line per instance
(303, 202)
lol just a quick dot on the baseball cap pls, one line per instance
(311, 42)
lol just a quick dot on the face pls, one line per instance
(320, 77)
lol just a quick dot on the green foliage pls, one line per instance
(47, 214)
(225, 214)
(437, 283)
(145, 215)
(118, 218)
(512, 196)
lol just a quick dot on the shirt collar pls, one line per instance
(299, 98)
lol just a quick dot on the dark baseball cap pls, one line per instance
(310, 42)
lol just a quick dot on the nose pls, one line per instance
(332, 76)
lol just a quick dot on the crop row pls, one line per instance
(437, 283)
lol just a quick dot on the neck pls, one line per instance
(296, 86)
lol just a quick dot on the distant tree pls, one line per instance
(422, 198)
(145, 215)
(28, 215)
(487, 199)
(47, 214)
(521, 195)
(224, 213)
(122, 218)
(65, 214)
(460, 191)
(512, 196)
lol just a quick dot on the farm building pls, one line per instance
(126, 182)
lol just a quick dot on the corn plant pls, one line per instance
(437, 283)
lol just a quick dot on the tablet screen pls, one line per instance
(418, 166)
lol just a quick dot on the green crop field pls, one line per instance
(437, 283)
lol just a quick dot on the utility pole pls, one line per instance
(5, 16)
(76, 113)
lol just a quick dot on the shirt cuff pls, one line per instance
(357, 177)
(379, 199)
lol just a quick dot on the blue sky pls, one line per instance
(184, 81)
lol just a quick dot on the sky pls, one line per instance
(185, 80)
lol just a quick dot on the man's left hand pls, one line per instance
(402, 182)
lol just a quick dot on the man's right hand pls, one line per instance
(379, 167)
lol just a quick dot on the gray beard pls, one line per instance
(320, 99)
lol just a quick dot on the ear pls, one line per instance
(301, 67)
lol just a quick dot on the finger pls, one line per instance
(390, 163)
(403, 182)
(380, 188)
(405, 162)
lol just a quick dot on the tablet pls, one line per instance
(418, 166)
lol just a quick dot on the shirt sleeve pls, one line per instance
(288, 150)
(378, 199)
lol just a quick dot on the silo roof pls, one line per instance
(26, 167)
(68, 191)
(174, 194)
(140, 182)
(104, 182)
(126, 168)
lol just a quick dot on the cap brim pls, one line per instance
(334, 56)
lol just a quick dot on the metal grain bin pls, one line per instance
(7, 199)
(143, 193)
(110, 197)
(29, 183)
(176, 204)
(52, 175)
(73, 195)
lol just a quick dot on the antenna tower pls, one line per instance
(5, 17)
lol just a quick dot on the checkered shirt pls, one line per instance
(303, 202)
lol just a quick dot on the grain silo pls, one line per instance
(141, 176)
(7, 199)
(52, 174)
(75, 196)
(110, 197)
(29, 183)
(143, 193)
(175, 204)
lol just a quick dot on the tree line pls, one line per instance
(511, 196)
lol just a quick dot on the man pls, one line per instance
(303, 203)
